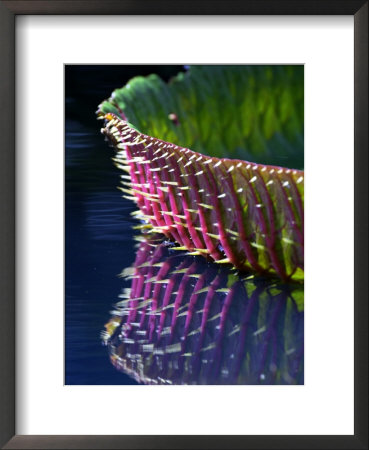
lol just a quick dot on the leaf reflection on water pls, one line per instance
(186, 320)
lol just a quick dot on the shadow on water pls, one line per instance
(185, 320)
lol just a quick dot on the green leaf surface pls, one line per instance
(255, 113)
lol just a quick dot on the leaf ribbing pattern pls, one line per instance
(246, 214)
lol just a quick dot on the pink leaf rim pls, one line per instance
(232, 211)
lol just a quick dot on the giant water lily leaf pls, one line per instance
(187, 321)
(234, 211)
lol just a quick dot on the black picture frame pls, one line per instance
(8, 12)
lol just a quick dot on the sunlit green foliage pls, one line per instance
(254, 113)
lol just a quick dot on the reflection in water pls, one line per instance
(189, 321)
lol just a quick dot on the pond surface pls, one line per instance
(172, 318)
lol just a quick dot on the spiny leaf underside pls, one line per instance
(186, 321)
(246, 214)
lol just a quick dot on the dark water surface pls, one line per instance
(98, 227)
(243, 331)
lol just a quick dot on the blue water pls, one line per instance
(98, 234)
(99, 245)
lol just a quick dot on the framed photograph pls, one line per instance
(153, 162)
